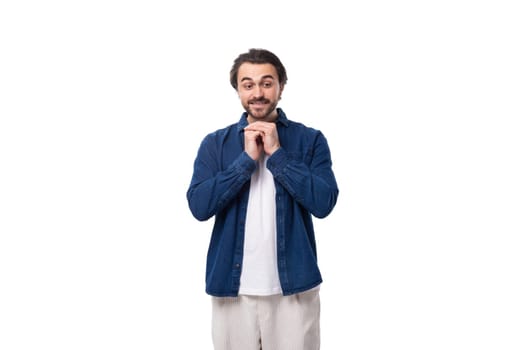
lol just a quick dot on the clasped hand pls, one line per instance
(260, 137)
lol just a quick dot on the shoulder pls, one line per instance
(302, 129)
(222, 132)
(295, 126)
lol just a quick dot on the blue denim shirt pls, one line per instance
(305, 185)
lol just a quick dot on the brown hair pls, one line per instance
(258, 56)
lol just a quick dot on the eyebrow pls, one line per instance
(263, 77)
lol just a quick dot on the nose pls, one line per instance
(257, 91)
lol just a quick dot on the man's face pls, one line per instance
(259, 91)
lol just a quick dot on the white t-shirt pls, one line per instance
(259, 274)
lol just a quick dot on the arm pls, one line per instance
(211, 188)
(313, 186)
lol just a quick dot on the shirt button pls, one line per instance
(237, 266)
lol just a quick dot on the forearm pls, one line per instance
(314, 187)
(211, 190)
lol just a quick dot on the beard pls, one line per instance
(261, 112)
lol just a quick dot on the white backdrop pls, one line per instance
(104, 103)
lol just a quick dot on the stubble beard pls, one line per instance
(264, 114)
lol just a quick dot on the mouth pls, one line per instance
(259, 102)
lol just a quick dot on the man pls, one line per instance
(263, 178)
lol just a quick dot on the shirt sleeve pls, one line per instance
(309, 179)
(212, 188)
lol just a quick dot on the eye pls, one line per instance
(248, 86)
(267, 84)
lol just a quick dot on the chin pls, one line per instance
(261, 114)
(258, 115)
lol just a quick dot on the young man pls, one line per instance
(263, 178)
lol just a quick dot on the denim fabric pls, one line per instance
(305, 185)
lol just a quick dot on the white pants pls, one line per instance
(272, 322)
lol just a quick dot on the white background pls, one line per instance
(104, 103)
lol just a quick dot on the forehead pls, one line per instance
(257, 71)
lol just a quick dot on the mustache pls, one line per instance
(260, 99)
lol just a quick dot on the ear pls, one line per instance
(281, 92)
